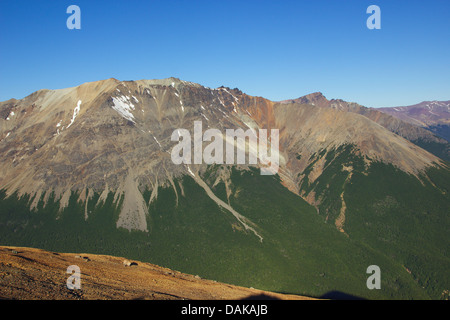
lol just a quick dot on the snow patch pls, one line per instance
(230, 94)
(182, 107)
(190, 171)
(157, 141)
(11, 114)
(76, 111)
(124, 107)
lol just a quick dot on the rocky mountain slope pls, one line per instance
(433, 115)
(426, 113)
(398, 122)
(116, 136)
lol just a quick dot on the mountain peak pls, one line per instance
(168, 82)
(315, 99)
(316, 95)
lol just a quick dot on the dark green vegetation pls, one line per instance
(393, 221)
(441, 150)
(403, 217)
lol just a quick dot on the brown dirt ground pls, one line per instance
(35, 274)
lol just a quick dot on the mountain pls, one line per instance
(432, 115)
(426, 113)
(429, 136)
(91, 169)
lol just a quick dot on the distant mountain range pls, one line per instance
(427, 113)
(432, 115)
(89, 169)
(413, 123)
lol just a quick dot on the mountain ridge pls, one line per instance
(431, 115)
(413, 131)
(423, 113)
(113, 106)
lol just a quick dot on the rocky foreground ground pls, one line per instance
(35, 274)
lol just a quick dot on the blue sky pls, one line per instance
(275, 49)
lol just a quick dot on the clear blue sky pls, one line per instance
(276, 49)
